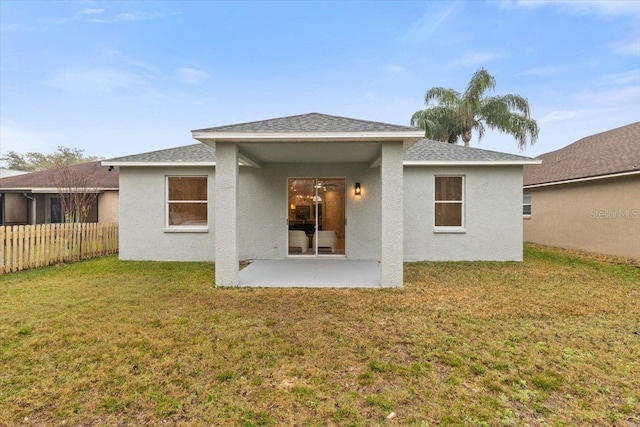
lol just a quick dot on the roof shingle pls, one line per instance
(311, 122)
(194, 153)
(47, 179)
(423, 150)
(614, 151)
(428, 150)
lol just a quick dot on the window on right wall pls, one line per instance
(449, 202)
(526, 204)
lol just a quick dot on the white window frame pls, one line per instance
(184, 228)
(448, 228)
(524, 203)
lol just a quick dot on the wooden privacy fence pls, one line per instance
(32, 246)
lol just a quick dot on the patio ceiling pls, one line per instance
(311, 152)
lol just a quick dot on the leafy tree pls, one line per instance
(456, 115)
(34, 161)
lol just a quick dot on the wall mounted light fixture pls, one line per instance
(358, 189)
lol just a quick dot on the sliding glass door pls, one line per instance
(316, 221)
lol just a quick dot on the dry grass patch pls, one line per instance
(551, 341)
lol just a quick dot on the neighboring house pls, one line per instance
(586, 196)
(316, 185)
(4, 173)
(33, 198)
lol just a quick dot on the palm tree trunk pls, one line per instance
(466, 137)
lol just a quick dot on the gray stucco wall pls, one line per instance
(492, 211)
(142, 217)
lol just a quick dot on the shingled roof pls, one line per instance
(46, 179)
(194, 153)
(612, 152)
(427, 150)
(311, 122)
(422, 151)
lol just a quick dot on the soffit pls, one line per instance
(311, 152)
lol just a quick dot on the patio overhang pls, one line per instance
(304, 139)
(256, 149)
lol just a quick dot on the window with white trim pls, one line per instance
(526, 204)
(449, 202)
(187, 203)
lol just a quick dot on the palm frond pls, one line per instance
(443, 96)
(522, 128)
(515, 103)
(478, 85)
(439, 123)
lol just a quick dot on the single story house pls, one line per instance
(322, 186)
(586, 196)
(34, 198)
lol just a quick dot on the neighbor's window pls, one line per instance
(448, 203)
(526, 204)
(57, 216)
(187, 204)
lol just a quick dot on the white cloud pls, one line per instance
(620, 79)
(619, 97)
(23, 139)
(16, 28)
(602, 7)
(627, 48)
(191, 75)
(558, 115)
(396, 69)
(90, 11)
(542, 71)
(126, 17)
(429, 23)
(94, 80)
(477, 58)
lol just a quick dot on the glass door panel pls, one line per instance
(316, 224)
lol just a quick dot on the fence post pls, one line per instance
(2, 245)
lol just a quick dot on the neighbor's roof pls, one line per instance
(615, 151)
(47, 179)
(311, 122)
(423, 152)
(4, 173)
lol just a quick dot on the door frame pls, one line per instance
(315, 253)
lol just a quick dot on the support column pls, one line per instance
(226, 215)
(392, 232)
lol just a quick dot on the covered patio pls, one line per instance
(311, 273)
(317, 143)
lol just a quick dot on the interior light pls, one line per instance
(358, 189)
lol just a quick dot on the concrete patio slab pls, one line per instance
(311, 273)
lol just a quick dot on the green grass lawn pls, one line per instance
(551, 341)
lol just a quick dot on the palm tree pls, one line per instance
(457, 115)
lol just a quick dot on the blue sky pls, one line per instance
(118, 78)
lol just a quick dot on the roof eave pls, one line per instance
(210, 137)
(156, 164)
(54, 190)
(586, 178)
(471, 162)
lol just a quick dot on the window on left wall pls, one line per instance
(187, 203)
